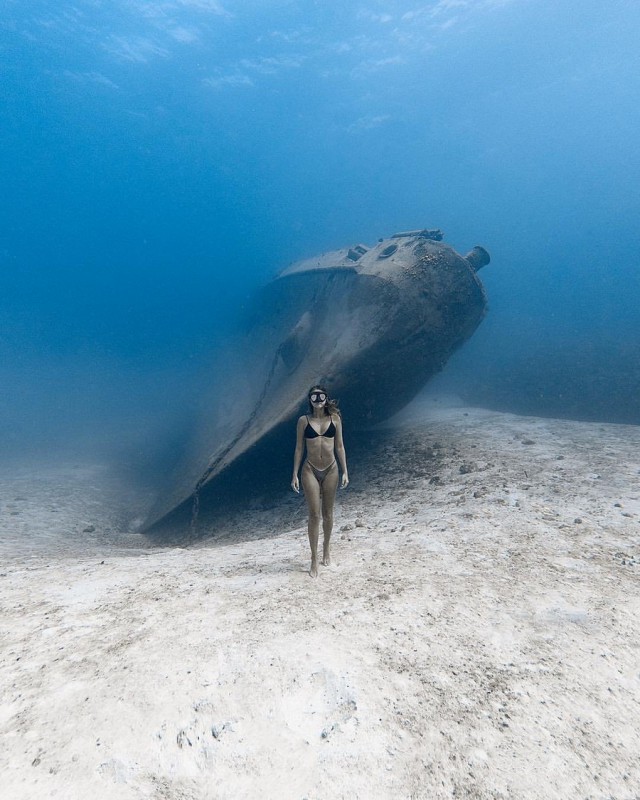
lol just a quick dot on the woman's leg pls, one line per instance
(329, 487)
(311, 489)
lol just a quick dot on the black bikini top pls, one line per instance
(311, 433)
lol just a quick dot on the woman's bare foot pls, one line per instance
(314, 568)
(326, 550)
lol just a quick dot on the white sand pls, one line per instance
(473, 640)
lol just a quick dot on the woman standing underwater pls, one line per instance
(321, 429)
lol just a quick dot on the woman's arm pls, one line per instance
(340, 453)
(297, 456)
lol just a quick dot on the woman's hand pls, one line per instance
(295, 484)
(345, 480)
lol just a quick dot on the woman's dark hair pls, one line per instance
(331, 406)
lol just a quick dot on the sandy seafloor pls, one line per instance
(476, 637)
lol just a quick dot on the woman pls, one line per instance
(321, 429)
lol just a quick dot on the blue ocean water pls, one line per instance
(161, 160)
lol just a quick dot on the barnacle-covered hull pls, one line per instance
(373, 323)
